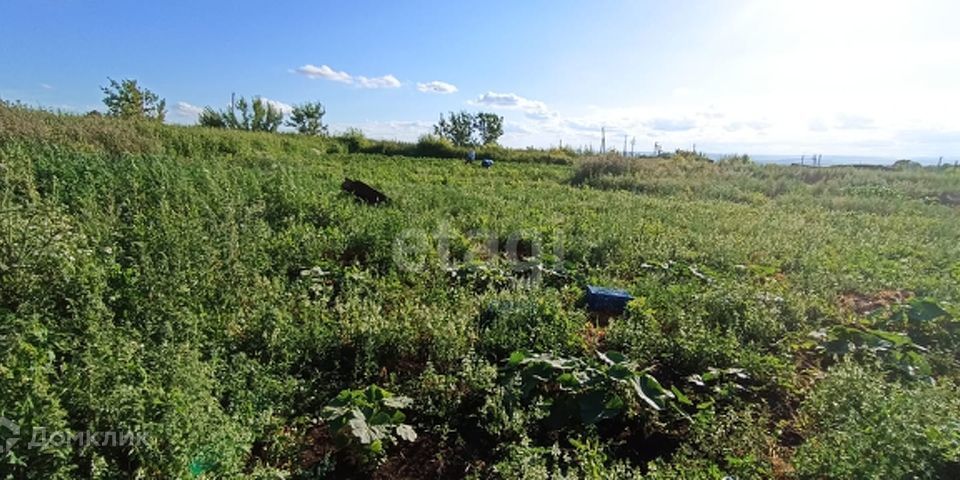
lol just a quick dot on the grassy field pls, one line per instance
(215, 293)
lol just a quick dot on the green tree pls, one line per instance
(307, 118)
(258, 116)
(489, 127)
(126, 99)
(458, 128)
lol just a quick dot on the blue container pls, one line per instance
(609, 300)
(486, 163)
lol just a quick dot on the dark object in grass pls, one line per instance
(486, 163)
(364, 192)
(607, 300)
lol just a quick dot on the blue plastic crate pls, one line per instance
(609, 300)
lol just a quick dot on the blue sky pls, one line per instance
(758, 76)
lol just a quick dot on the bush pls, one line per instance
(533, 321)
(859, 426)
(435, 146)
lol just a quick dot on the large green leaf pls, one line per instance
(650, 391)
(596, 406)
(612, 358)
(360, 429)
(921, 311)
(620, 372)
(406, 432)
(380, 418)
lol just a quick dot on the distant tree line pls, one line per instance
(465, 129)
(127, 99)
(259, 115)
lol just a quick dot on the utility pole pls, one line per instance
(633, 146)
(603, 139)
(802, 158)
(624, 144)
(940, 162)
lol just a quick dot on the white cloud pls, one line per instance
(283, 107)
(386, 81)
(46, 86)
(187, 110)
(673, 124)
(436, 86)
(327, 73)
(534, 109)
(509, 100)
(324, 72)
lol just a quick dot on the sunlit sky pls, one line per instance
(837, 77)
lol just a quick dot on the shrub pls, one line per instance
(859, 426)
(527, 320)
(369, 420)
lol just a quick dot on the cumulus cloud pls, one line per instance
(509, 100)
(187, 110)
(386, 81)
(324, 72)
(283, 107)
(534, 109)
(436, 86)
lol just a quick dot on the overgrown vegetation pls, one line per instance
(257, 115)
(214, 292)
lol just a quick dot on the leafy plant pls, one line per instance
(578, 392)
(926, 322)
(891, 350)
(719, 383)
(370, 419)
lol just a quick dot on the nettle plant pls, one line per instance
(368, 420)
(580, 393)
